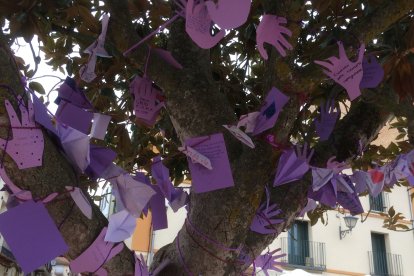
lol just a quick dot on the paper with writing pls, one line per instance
(27, 144)
(270, 30)
(214, 148)
(229, 14)
(81, 201)
(196, 157)
(32, 235)
(240, 135)
(345, 72)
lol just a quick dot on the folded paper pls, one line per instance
(240, 135)
(71, 93)
(120, 227)
(196, 157)
(292, 166)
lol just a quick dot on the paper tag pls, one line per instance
(196, 157)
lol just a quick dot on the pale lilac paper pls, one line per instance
(26, 145)
(161, 175)
(240, 135)
(270, 30)
(76, 146)
(290, 168)
(274, 102)
(96, 255)
(121, 226)
(310, 206)
(229, 14)
(31, 235)
(363, 182)
(87, 72)
(100, 125)
(345, 72)
(73, 116)
(372, 72)
(196, 157)
(133, 194)
(198, 25)
(248, 121)
(81, 201)
(220, 177)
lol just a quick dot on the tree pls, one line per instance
(214, 87)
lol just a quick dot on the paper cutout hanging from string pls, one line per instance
(268, 261)
(70, 92)
(345, 72)
(73, 116)
(214, 148)
(26, 146)
(248, 121)
(240, 135)
(270, 30)
(293, 164)
(274, 102)
(100, 125)
(349, 200)
(101, 159)
(87, 72)
(372, 72)
(31, 235)
(196, 157)
(325, 124)
(229, 14)
(81, 201)
(159, 211)
(120, 227)
(96, 255)
(198, 25)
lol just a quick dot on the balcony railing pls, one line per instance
(385, 264)
(379, 203)
(304, 254)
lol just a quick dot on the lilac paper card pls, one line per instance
(196, 157)
(75, 117)
(159, 211)
(275, 101)
(100, 160)
(372, 72)
(100, 125)
(290, 168)
(229, 14)
(240, 135)
(325, 195)
(198, 25)
(32, 235)
(121, 226)
(214, 148)
(71, 93)
(26, 146)
(346, 73)
(248, 121)
(271, 31)
(81, 201)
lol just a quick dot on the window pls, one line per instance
(379, 203)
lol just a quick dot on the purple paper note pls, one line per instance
(100, 125)
(325, 195)
(76, 146)
(320, 177)
(145, 98)
(81, 201)
(75, 117)
(349, 199)
(292, 166)
(275, 101)
(229, 14)
(141, 268)
(70, 92)
(96, 255)
(179, 199)
(121, 226)
(134, 195)
(270, 30)
(26, 146)
(161, 175)
(100, 160)
(196, 157)
(214, 148)
(268, 261)
(198, 25)
(327, 120)
(372, 72)
(31, 235)
(240, 135)
(159, 211)
(345, 72)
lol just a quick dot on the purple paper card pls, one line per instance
(31, 235)
(271, 31)
(145, 98)
(214, 148)
(26, 146)
(100, 160)
(350, 201)
(229, 14)
(159, 211)
(75, 117)
(326, 195)
(346, 73)
(120, 227)
(372, 72)
(161, 175)
(198, 25)
(275, 101)
(71, 93)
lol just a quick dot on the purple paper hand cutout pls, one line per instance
(229, 14)
(372, 72)
(271, 31)
(268, 261)
(326, 123)
(26, 146)
(93, 258)
(336, 166)
(198, 25)
(345, 72)
(264, 218)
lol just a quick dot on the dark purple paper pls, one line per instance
(214, 148)
(158, 209)
(100, 160)
(31, 235)
(74, 117)
(325, 124)
(69, 92)
(372, 72)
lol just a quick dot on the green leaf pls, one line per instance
(37, 87)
